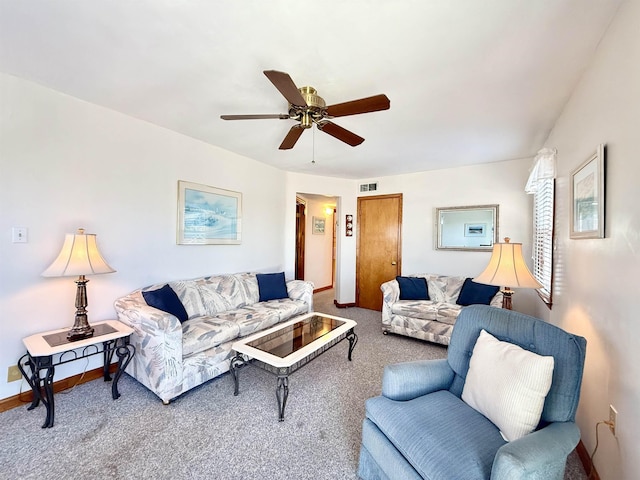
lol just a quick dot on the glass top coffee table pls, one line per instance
(285, 348)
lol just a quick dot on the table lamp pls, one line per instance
(507, 269)
(79, 256)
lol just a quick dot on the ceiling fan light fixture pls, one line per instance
(305, 121)
(314, 101)
(307, 107)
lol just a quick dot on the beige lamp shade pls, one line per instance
(507, 268)
(79, 256)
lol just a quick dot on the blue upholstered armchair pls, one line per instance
(420, 428)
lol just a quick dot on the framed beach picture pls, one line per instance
(474, 229)
(587, 197)
(318, 226)
(208, 215)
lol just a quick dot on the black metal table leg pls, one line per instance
(125, 353)
(235, 364)
(108, 348)
(353, 339)
(282, 393)
(48, 390)
(41, 387)
(32, 379)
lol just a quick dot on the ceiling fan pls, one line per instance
(307, 107)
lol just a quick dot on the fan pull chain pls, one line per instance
(313, 145)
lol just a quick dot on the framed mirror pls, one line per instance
(473, 228)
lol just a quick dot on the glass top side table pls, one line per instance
(110, 337)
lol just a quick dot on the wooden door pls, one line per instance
(378, 256)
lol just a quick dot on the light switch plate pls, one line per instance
(19, 235)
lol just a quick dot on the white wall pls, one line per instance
(66, 164)
(596, 287)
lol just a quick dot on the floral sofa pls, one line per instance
(180, 350)
(431, 319)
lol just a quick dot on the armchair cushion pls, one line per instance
(507, 384)
(165, 299)
(413, 288)
(438, 434)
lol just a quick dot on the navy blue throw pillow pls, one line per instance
(165, 299)
(413, 288)
(272, 286)
(473, 293)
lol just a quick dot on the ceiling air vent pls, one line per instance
(369, 187)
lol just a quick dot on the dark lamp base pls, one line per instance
(507, 293)
(79, 334)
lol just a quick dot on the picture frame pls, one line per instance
(208, 215)
(475, 229)
(318, 224)
(587, 202)
(348, 225)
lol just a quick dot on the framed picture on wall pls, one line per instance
(587, 197)
(318, 225)
(208, 215)
(474, 229)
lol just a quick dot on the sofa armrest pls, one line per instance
(405, 381)
(301, 290)
(390, 295)
(539, 455)
(496, 301)
(158, 340)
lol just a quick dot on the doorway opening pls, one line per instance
(316, 240)
(300, 236)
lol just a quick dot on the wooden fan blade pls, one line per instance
(340, 133)
(364, 105)
(292, 137)
(281, 116)
(282, 81)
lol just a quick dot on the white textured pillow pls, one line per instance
(508, 385)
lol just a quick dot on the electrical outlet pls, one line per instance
(613, 419)
(14, 374)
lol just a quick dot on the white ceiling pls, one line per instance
(469, 81)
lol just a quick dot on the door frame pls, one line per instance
(301, 205)
(304, 201)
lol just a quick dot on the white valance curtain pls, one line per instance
(544, 167)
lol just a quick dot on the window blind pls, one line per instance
(543, 206)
